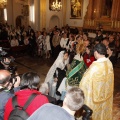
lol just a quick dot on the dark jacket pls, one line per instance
(51, 99)
(4, 96)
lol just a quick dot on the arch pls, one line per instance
(54, 21)
(19, 20)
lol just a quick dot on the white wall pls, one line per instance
(54, 21)
(71, 22)
(13, 10)
(32, 13)
(50, 14)
(76, 22)
(17, 11)
(37, 14)
(53, 14)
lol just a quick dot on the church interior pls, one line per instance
(80, 16)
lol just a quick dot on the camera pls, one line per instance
(12, 69)
(88, 112)
(4, 55)
(5, 60)
(13, 79)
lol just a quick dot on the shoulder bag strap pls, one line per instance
(29, 101)
(14, 101)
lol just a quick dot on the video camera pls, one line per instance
(12, 70)
(5, 64)
(4, 55)
(88, 112)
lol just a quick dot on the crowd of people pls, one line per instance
(24, 88)
(82, 73)
(51, 41)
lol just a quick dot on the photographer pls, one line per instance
(29, 85)
(4, 63)
(5, 59)
(5, 93)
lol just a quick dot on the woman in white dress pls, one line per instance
(14, 42)
(39, 41)
(47, 45)
(63, 41)
(61, 61)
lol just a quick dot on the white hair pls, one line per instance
(43, 88)
(74, 99)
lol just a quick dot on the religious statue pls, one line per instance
(107, 8)
(76, 8)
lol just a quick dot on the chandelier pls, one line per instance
(3, 3)
(56, 6)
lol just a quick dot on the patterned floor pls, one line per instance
(116, 100)
(116, 107)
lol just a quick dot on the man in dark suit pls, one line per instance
(30, 30)
(99, 36)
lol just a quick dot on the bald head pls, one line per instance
(4, 76)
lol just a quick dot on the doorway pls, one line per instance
(54, 21)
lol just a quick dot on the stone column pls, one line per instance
(37, 14)
(10, 12)
(43, 11)
(64, 6)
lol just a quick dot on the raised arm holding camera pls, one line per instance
(5, 93)
(5, 64)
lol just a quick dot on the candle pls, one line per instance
(112, 25)
(93, 22)
(115, 24)
(118, 24)
(88, 22)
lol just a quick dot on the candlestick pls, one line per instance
(112, 25)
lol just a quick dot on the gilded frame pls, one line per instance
(76, 9)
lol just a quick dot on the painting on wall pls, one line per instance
(76, 7)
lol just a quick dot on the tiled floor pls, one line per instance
(39, 65)
(116, 101)
(42, 65)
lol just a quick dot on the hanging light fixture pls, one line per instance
(3, 3)
(56, 6)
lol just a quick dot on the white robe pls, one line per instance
(47, 42)
(98, 86)
(57, 64)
